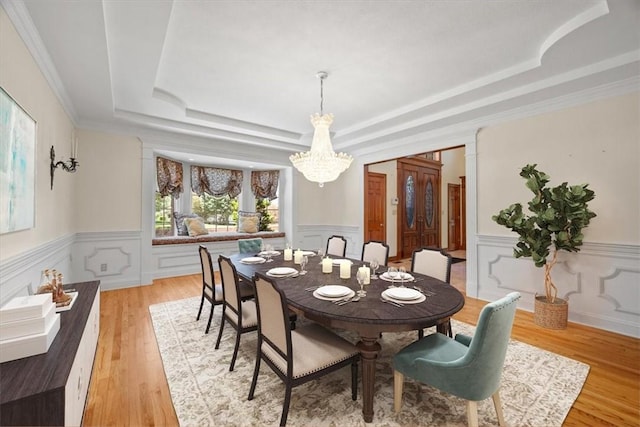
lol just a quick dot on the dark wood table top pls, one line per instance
(369, 315)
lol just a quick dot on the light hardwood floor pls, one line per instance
(129, 388)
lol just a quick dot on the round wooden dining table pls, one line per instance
(369, 317)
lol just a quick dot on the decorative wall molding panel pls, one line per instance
(601, 282)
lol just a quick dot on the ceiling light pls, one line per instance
(321, 164)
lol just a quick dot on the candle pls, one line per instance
(288, 254)
(345, 269)
(297, 256)
(327, 265)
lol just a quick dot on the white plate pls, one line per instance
(385, 295)
(282, 271)
(405, 294)
(252, 260)
(405, 276)
(333, 291)
(272, 253)
(340, 261)
(308, 253)
(349, 295)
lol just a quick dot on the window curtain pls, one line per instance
(264, 184)
(216, 181)
(169, 176)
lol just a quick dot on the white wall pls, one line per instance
(21, 78)
(596, 143)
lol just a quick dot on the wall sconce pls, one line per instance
(70, 166)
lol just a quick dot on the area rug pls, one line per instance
(538, 387)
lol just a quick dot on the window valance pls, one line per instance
(169, 177)
(216, 181)
(264, 184)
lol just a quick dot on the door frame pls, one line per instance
(367, 173)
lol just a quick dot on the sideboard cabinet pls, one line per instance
(51, 388)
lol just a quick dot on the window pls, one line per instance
(220, 213)
(164, 224)
(269, 219)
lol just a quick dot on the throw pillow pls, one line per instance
(248, 222)
(181, 227)
(195, 226)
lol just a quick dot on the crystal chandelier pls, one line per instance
(321, 164)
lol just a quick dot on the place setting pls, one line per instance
(335, 293)
(267, 251)
(253, 260)
(396, 275)
(400, 296)
(282, 272)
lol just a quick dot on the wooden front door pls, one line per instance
(418, 204)
(375, 217)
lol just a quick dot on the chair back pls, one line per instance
(229, 277)
(337, 246)
(207, 271)
(374, 249)
(273, 316)
(247, 246)
(432, 262)
(488, 346)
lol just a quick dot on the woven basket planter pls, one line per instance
(550, 315)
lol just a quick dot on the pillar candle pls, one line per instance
(297, 256)
(327, 265)
(288, 254)
(345, 270)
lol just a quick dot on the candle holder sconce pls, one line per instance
(71, 166)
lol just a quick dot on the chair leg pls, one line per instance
(221, 328)
(354, 380)
(254, 382)
(200, 309)
(498, 406)
(398, 383)
(210, 317)
(420, 334)
(285, 405)
(235, 350)
(472, 413)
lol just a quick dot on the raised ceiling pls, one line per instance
(244, 71)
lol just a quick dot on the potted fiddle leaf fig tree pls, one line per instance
(558, 216)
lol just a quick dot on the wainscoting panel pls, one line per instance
(21, 274)
(601, 282)
(313, 237)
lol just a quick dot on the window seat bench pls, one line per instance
(214, 237)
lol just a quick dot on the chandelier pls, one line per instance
(321, 164)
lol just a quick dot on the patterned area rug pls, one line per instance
(538, 387)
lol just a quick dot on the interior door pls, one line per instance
(419, 204)
(375, 216)
(453, 209)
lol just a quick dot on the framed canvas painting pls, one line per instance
(17, 166)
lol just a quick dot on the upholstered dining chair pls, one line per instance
(296, 356)
(336, 246)
(250, 246)
(211, 291)
(374, 249)
(433, 262)
(467, 367)
(436, 263)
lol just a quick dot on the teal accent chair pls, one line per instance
(467, 367)
(250, 246)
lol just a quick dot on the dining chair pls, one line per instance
(374, 249)
(211, 291)
(436, 263)
(336, 246)
(467, 367)
(250, 246)
(296, 356)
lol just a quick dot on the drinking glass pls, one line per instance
(393, 275)
(268, 249)
(401, 272)
(360, 276)
(321, 253)
(374, 267)
(303, 264)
